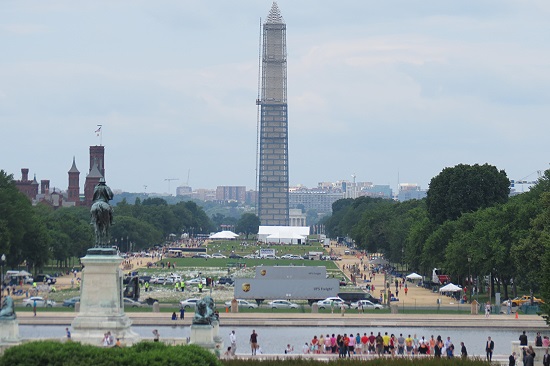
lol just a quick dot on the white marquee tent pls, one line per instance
(450, 288)
(283, 234)
(414, 276)
(223, 235)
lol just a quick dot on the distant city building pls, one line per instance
(318, 199)
(231, 193)
(377, 191)
(28, 187)
(73, 191)
(273, 198)
(410, 191)
(204, 194)
(97, 171)
(184, 191)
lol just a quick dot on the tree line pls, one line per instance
(33, 235)
(467, 225)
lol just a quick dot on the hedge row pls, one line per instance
(52, 353)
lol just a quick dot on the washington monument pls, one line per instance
(273, 134)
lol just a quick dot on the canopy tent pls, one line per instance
(414, 276)
(22, 273)
(223, 235)
(450, 288)
(291, 238)
(283, 234)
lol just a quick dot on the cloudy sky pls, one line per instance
(377, 88)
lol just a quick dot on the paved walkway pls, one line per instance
(526, 322)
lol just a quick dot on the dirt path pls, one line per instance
(415, 295)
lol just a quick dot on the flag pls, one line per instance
(98, 130)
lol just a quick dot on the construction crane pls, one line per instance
(523, 181)
(169, 180)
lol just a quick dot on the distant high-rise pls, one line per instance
(273, 135)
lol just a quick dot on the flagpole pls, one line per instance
(100, 134)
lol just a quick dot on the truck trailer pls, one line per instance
(287, 283)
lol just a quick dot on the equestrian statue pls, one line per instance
(102, 214)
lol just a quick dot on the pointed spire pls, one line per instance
(94, 173)
(274, 16)
(34, 180)
(73, 168)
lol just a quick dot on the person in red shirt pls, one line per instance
(364, 343)
(372, 343)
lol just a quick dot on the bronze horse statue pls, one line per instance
(102, 214)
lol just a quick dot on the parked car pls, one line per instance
(242, 304)
(225, 281)
(282, 304)
(71, 302)
(45, 278)
(189, 303)
(201, 255)
(518, 301)
(235, 256)
(365, 304)
(335, 301)
(195, 281)
(218, 255)
(40, 302)
(249, 256)
(131, 303)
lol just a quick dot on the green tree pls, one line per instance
(16, 220)
(248, 223)
(465, 188)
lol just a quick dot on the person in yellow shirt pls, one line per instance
(409, 345)
(386, 339)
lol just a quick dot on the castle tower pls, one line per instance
(73, 191)
(92, 180)
(273, 164)
(97, 156)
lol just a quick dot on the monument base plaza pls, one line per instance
(370, 320)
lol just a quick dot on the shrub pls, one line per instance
(73, 353)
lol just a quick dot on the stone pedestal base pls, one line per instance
(101, 305)
(9, 332)
(207, 336)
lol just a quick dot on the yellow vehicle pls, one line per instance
(518, 301)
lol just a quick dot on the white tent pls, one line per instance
(223, 235)
(283, 234)
(450, 288)
(414, 276)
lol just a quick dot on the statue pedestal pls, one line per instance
(207, 336)
(101, 305)
(9, 332)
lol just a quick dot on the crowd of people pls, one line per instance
(388, 344)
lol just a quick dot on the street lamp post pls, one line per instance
(469, 281)
(2, 261)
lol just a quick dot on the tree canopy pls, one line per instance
(465, 188)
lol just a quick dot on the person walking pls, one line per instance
(182, 313)
(254, 342)
(182, 286)
(233, 341)
(68, 334)
(489, 348)
(463, 351)
(156, 335)
(34, 307)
